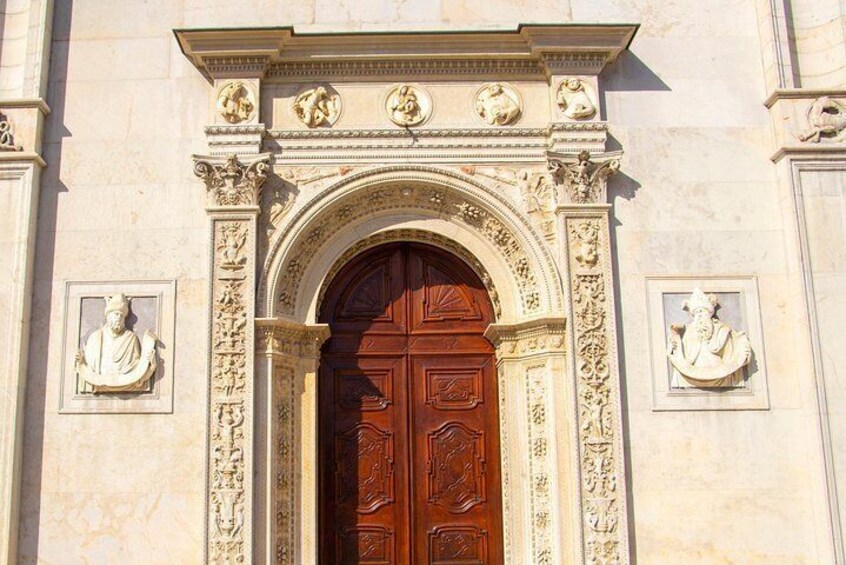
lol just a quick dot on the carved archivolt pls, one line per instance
(438, 195)
(421, 236)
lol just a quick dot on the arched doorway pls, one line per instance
(409, 461)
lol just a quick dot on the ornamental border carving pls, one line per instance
(440, 192)
(597, 386)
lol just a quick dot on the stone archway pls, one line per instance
(440, 208)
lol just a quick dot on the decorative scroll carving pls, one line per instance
(316, 107)
(597, 382)
(236, 102)
(408, 105)
(365, 467)
(706, 352)
(497, 104)
(398, 196)
(584, 180)
(539, 465)
(114, 359)
(456, 467)
(7, 140)
(575, 99)
(826, 121)
(232, 183)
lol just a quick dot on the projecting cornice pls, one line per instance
(283, 53)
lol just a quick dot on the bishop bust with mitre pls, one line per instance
(706, 352)
(114, 359)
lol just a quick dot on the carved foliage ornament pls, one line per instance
(232, 183)
(584, 181)
(113, 358)
(595, 385)
(706, 352)
(826, 121)
(394, 197)
(497, 104)
(408, 105)
(575, 99)
(317, 107)
(7, 140)
(236, 102)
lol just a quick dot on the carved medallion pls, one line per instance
(826, 121)
(408, 105)
(7, 140)
(236, 102)
(318, 107)
(498, 104)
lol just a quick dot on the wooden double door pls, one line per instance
(408, 410)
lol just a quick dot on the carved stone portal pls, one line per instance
(706, 352)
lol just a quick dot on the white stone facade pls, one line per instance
(219, 171)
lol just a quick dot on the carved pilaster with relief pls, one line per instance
(292, 352)
(529, 355)
(599, 428)
(233, 188)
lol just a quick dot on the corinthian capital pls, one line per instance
(584, 180)
(232, 182)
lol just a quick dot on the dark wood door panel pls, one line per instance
(408, 414)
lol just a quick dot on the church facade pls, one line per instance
(422, 282)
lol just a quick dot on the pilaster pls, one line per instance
(233, 190)
(584, 223)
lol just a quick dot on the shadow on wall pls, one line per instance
(51, 187)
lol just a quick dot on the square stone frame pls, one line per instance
(160, 399)
(754, 396)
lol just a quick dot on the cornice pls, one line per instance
(802, 94)
(820, 150)
(38, 103)
(529, 50)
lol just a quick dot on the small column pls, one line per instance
(233, 189)
(584, 220)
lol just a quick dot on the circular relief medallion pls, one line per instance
(236, 102)
(408, 105)
(498, 104)
(319, 106)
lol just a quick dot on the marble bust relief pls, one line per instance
(113, 358)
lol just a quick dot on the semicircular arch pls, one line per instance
(429, 199)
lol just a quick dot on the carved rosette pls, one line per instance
(597, 389)
(233, 260)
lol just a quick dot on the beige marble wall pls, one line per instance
(697, 195)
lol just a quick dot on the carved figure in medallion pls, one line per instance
(706, 352)
(235, 102)
(316, 107)
(574, 100)
(7, 140)
(826, 120)
(498, 104)
(113, 358)
(408, 106)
